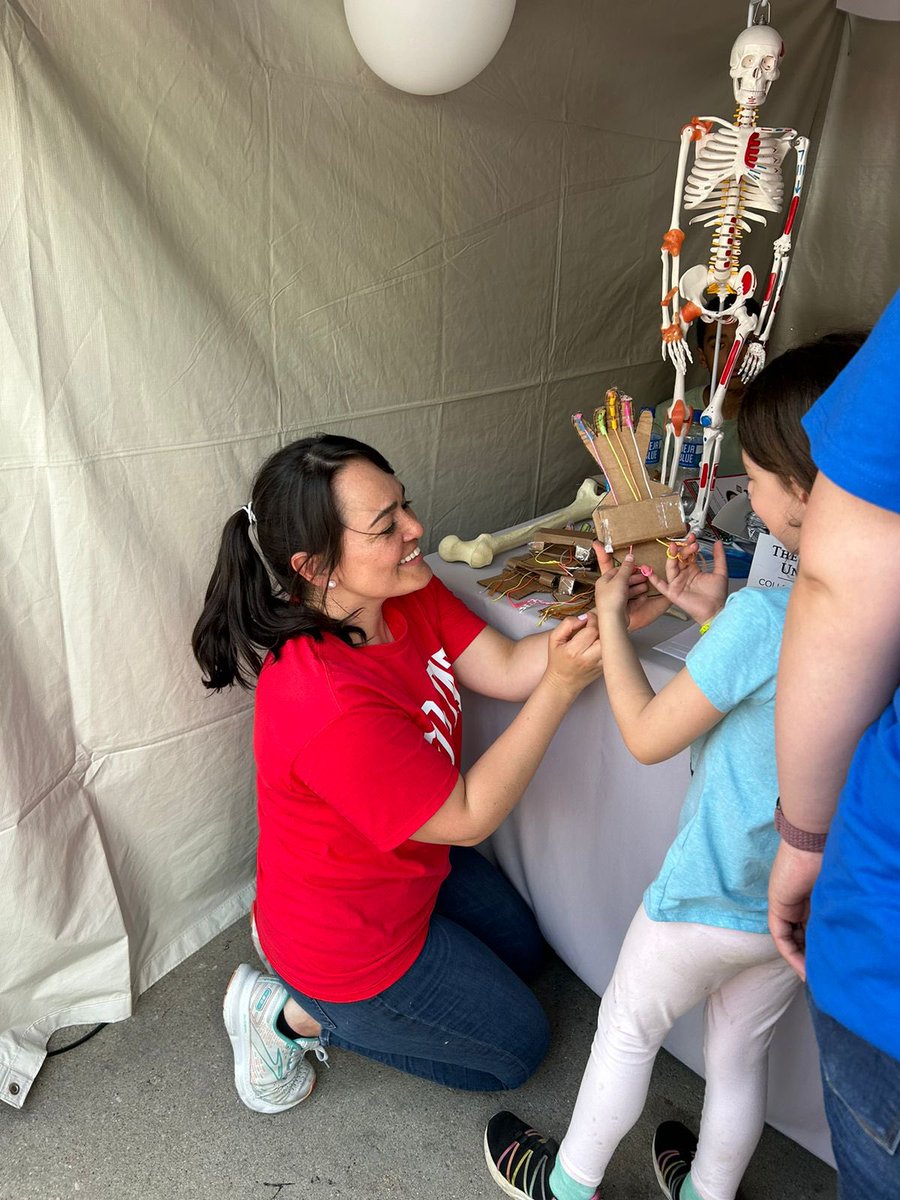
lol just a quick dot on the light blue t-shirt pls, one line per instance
(717, 870)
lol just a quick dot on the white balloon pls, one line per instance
(428, 47)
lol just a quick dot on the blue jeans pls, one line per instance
(461, 1015)
(862, 1103)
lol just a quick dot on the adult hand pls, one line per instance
(699, 592)
(641, 609)
(791, 882)
(574, 658)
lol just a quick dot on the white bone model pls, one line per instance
(735, 177)
(481, 550)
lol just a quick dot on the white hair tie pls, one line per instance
(253, 537)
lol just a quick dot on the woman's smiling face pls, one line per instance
(380, 554)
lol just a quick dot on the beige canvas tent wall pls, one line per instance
(219, 232)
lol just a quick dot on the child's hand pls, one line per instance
(699, 592)
(641, 609)
(611, 592)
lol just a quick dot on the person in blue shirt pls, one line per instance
(838, 728)
(701, 933)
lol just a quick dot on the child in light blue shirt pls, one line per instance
(717, 870)
(701, 933)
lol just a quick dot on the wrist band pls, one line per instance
(800, 839)
(704, 627)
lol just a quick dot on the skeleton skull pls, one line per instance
(755, 58)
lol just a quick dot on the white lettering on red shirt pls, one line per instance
(447, 707)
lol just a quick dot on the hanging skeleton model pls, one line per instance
(736, 176)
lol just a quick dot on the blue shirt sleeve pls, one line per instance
(853, 430)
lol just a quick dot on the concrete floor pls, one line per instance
(147, 1109)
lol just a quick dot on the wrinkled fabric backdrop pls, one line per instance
(221, 232)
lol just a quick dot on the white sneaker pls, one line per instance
(271, 1073)
(257, 946)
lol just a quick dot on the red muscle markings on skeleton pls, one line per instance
(697, 128)
(735, 178)
(672, 243)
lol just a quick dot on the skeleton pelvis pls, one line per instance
(714, 296)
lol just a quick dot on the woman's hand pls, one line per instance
(791, 882)
(641, 609)
(699, 592)
(573, 653)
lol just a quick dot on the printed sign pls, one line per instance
(773, 565)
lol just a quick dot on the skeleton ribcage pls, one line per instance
(735, 178)
(737, 169)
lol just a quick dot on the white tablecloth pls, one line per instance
(591, 833)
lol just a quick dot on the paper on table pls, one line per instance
(679, 645)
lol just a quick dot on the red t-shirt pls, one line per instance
(356, 748)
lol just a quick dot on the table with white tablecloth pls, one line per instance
(591, 833)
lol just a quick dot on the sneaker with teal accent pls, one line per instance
(674, 1147)
(518, 1157)
(271, 1073)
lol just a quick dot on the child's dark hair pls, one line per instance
(256, 601)
(774, 404)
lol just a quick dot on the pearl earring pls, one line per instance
(331, 583)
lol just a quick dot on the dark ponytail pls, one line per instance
(256, 601)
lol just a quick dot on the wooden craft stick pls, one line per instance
(639, 466)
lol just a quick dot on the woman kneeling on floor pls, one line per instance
(384, 930)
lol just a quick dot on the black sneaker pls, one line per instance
(518, 1157)
(674, 1147)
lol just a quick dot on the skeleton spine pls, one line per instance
(725, 249)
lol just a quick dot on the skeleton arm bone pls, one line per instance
(673, 344)
(756, 354)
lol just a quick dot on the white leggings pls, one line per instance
(664, 969)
